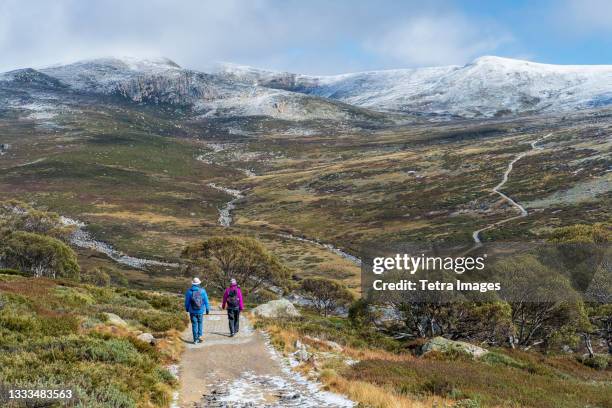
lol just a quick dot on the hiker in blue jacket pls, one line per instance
(196, 303)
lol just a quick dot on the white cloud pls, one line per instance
(437, 40)
(316, 36)
(585, 16)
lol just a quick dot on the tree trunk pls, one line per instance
(587, 343)
(511, 341)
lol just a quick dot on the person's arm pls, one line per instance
(187, 300)
(205, 300)
(240, 298)
(224, 298)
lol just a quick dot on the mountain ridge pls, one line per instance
(489, 86)
(162, 81)
(485, 87)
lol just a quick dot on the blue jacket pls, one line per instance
(189, 308)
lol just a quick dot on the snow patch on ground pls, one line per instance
(173, 369)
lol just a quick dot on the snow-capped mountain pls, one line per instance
(161, 81)
(488, 86)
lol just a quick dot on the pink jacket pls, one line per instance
(238, 293)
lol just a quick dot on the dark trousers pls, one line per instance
(233, 316)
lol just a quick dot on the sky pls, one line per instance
(311, 37)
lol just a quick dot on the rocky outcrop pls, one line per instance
(281, 308)
(147, 338)
(115, 320)
(328, 343)
(442, 345)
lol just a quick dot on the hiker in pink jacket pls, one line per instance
(232, 298)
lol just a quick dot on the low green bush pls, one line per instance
(12, 272)
(48, 340)
(598, 361)
(493, 357)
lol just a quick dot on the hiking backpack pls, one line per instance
(232, 299)
(196, 299)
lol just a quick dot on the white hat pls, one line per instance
(233, 281)
(195, 281)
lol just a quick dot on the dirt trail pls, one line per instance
(243, 371)
(497, 190)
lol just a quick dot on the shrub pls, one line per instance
(43, 346)
(41, 255)
(58, 325)
(242, 258)
(581, 233)
(493, 357)
(437, 386)
(467, 403)
(96, 277)
(559, 312)
(360, 314)
(12, 272)
(19, 216)
(73, 297)
(23, 324)
(598, 361)
(325, 294)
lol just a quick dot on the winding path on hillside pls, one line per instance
(243, 371)
(497, 190)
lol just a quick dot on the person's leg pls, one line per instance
(230, 319)
(237, 321)
(194, 326)
(200, 325)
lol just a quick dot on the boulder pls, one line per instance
(147, 338)
(302, 355)
(443, 345)
(276, 309)
(331, 344)
(115, 320)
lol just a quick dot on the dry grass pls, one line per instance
(369, 394)
(390, 379)
(379, 397)
(170, 346)
(144, 217)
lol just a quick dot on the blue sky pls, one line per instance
(315, 36)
